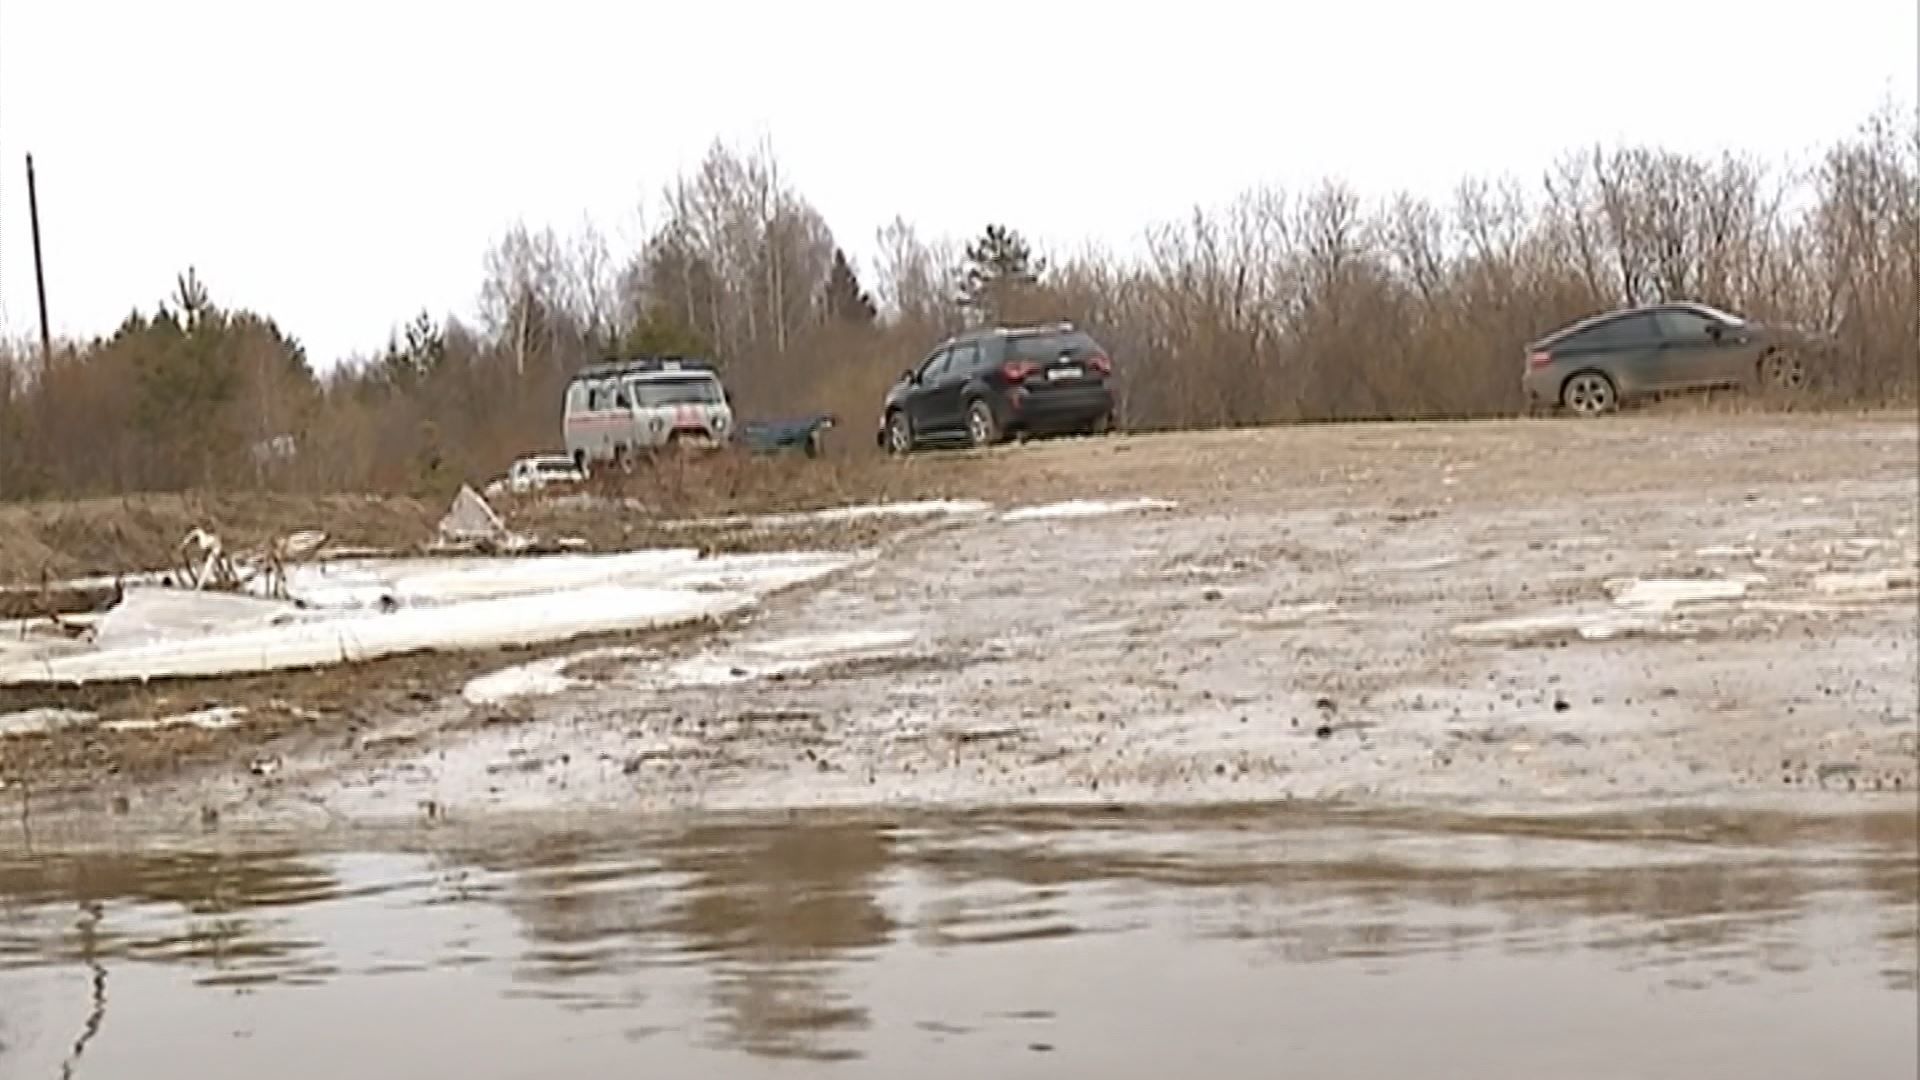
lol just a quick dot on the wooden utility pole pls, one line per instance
(39, 275)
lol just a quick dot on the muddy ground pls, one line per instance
(1325, 613)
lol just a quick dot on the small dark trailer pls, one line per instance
(806, 434)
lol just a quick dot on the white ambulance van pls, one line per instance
(620, 408)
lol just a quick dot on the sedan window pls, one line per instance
(1684, 326)
(1625, 331)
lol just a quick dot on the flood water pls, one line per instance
(1243, 942)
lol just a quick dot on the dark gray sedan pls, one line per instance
(1600, 363)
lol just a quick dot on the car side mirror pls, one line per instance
(1715, 331)
(910, 376)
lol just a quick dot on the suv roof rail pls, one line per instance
(640, 365)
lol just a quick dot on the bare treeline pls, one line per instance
(1280, 306)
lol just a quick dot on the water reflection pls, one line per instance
(862, 939)
(211, 912)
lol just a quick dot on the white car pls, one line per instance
(534, 473)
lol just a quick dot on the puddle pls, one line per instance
(1013, 943)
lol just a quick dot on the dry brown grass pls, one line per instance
(143, 532)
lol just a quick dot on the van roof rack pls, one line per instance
(642, 365)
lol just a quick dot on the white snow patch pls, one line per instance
(1725, 551)
(1079, 508)
(922, 508)
(1280, 615)
(1640, 606)
(1589, 625)
(1412, 566)
(214, 719)
(148, 614)
(742, 663)
(1768, 562)
(445, 604)
(1661, 596)
(537, 678)
(40, 721)
(1868, 582)
(420, 582)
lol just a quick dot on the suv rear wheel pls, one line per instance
(983, 428)
(899, 433)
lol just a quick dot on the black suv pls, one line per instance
(981, 386)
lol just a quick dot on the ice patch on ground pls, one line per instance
(1640, 606)
(743, 662)
(149, 614)
(449, 605)
(213, 719)
(418, 582)
(538, 678)
(1661, 596)
(1412, 566)
(41, 721)
(1280, 616)
(1079, 508)
(1867, 582)
(921, 508)
(1588, 625)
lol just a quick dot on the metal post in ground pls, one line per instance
(39, 275)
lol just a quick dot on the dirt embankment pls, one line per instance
(42, 542)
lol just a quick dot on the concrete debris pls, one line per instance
(471, 520)
(472, 525)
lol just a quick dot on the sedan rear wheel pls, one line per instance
(1589, 393)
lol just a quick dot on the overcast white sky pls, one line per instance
(341, 165)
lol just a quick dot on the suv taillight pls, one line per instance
(1017, 371)
(1101, 364)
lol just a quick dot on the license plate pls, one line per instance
(1056, 374)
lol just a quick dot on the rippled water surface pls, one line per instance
(1252, 942)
